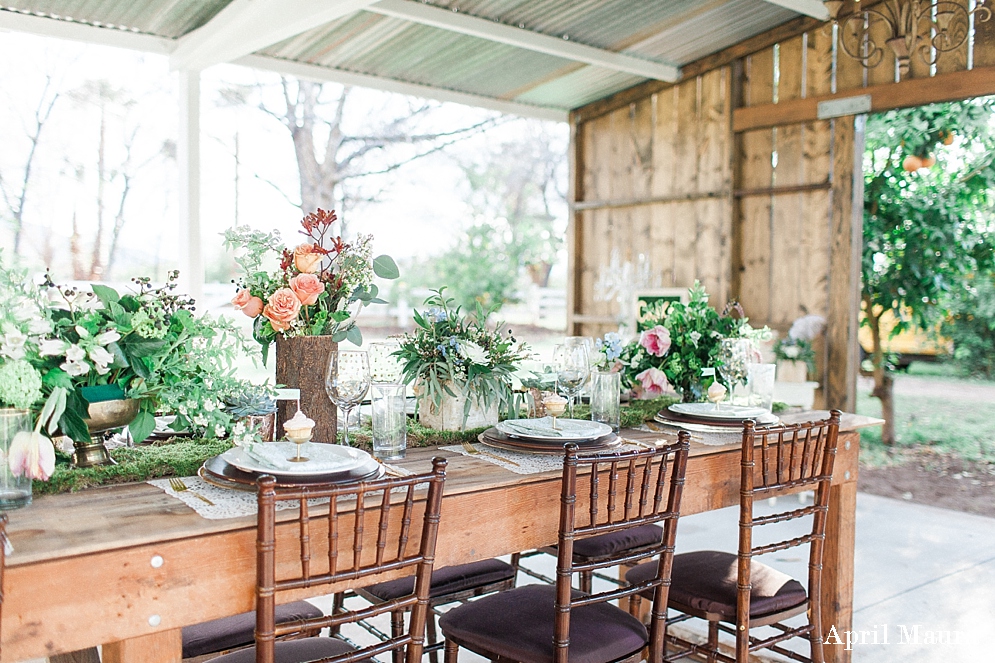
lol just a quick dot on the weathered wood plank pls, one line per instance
(956, 59)
(713, 216)
(850, 73)
(837, 560)
(984, 43)
(575, 192)
(885, 70)
(163, 647)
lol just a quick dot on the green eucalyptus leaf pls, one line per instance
(385, 267)
(354, 336)
(105, 294)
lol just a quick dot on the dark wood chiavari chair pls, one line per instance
(376, 504)
(728, 589)
(542, 622)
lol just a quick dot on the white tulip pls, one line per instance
(108, 337)
(52, 347)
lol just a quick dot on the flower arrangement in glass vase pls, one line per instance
(796, 346)
(316, 288)
(678, 342)
(453, 355)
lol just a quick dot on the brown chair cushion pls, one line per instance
(518, 624)
(706, 580)
(294, 651)
(448, 580)
(605, 545)
(237, 631)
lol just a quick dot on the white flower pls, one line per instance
(101, 370)
(101, 357)
(54, 296)
(39, 326)
(75, 368)
(87, 301)
(200, 420)
(24, 310)
(12, 342)
(695, 337)
(219, 431)
(209, 406)
(108, 337)
(239, 429)
(75, 353)
(807, 327)
(473, 353)
(51, 347)
(791, 351)
(82, 331)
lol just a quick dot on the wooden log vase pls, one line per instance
(301, 363)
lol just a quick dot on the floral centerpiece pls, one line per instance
(679, 341)
(452, 356)
(796, 347)
(316, 287)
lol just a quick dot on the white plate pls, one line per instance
(708, 411)
(716, 430)
(323, 459)
(542, 429)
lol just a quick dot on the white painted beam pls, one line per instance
(327, 74)
(445, 19)
(45, 26)
(812, 8)
(188, 156)
(246, 26)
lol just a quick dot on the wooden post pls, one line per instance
(574, 231)
(188, 156)
(846, 240)
(837, 556)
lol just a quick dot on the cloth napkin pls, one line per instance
(275, 455)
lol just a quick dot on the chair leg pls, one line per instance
(713, 641)
(452, 651)
(431, 637)
(396, 628)
(338, 600)
(586, 582)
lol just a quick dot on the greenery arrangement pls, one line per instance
(795, 349)
(679, 341)
(317, 287)
(449, 353)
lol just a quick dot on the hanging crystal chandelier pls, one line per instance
(923, 28)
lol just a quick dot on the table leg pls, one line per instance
(164, 647)
(837, 569)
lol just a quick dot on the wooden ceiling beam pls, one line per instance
(812, 8)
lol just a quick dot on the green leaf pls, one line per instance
(144, 347)
(105, 294)
(142, 426)
(385, 267)
(354, 336)
(339, 336)
(71, 423)
(57, 377)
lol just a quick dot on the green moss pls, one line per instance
(182, 457)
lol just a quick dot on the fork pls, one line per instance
(473, 451)
(178, 487)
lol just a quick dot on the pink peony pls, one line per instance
(247, 304)
(282, 309)
(654, 382)
(656, 340)
(307, 287)
(32, 455)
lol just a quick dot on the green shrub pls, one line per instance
(971, 326)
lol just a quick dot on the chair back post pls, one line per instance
(565, 552)
(819, 532)
(3, 556)
(743, 584)
(423, 578)
(266, 570)
(658, 611)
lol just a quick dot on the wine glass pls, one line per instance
(572, 367)
(735, 355)
(347, 381)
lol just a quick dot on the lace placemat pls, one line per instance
(522, 462)
(224, 502)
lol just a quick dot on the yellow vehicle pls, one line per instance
(910, 345)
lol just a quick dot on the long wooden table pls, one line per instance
(129, 566)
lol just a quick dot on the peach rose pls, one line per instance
(653, 381)
(656, 340)
(307, 287)
(247, 304)
(306, 259)
(282, 309)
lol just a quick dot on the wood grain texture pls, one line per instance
(301, 363)
(105, 538)
(956, 59)
(984, 43)
(162, 647)
(837, 561)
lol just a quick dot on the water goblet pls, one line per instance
(572, 367)
(735, 355)
(347, 381)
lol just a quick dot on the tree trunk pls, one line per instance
(883, 380)
(300, 364)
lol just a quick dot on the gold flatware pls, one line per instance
(473, 451)
(178, 487)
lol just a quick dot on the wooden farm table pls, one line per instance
(129, 566)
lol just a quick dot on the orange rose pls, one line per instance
(282, 309)
(247, 304)
(306, 259)
(307, 287)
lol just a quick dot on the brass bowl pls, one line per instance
(104, 416)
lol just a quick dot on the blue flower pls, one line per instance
(436, 314)
(611, 346)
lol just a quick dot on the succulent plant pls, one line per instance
(251, 400)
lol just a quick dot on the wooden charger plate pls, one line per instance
(495, 438)
(217, 471)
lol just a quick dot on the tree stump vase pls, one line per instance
(449, 416)
(301, 363)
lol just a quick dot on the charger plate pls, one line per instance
(569, 430)
(342, 458)
(668, 416)
(217, 471)
(495, 438)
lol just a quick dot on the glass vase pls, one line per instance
(15, 492)
(606, 392)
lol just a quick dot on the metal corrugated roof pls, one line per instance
(370, 44)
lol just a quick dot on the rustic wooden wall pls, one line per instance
(728, 177)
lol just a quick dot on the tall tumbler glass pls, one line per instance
(606, 394)
(15, 492)
(390, 421)
(761, 383)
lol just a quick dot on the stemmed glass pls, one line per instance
(347, 381)
(735, 357)
(572, 367)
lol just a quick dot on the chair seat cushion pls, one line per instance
(447, 580)
(237, 631)
(605, 545)
(518, 624)
(293, 651)
(706, 580)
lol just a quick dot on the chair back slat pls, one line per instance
(371, 499)
(663, 468)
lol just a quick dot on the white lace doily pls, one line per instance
(522, 462)
(226, 503)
